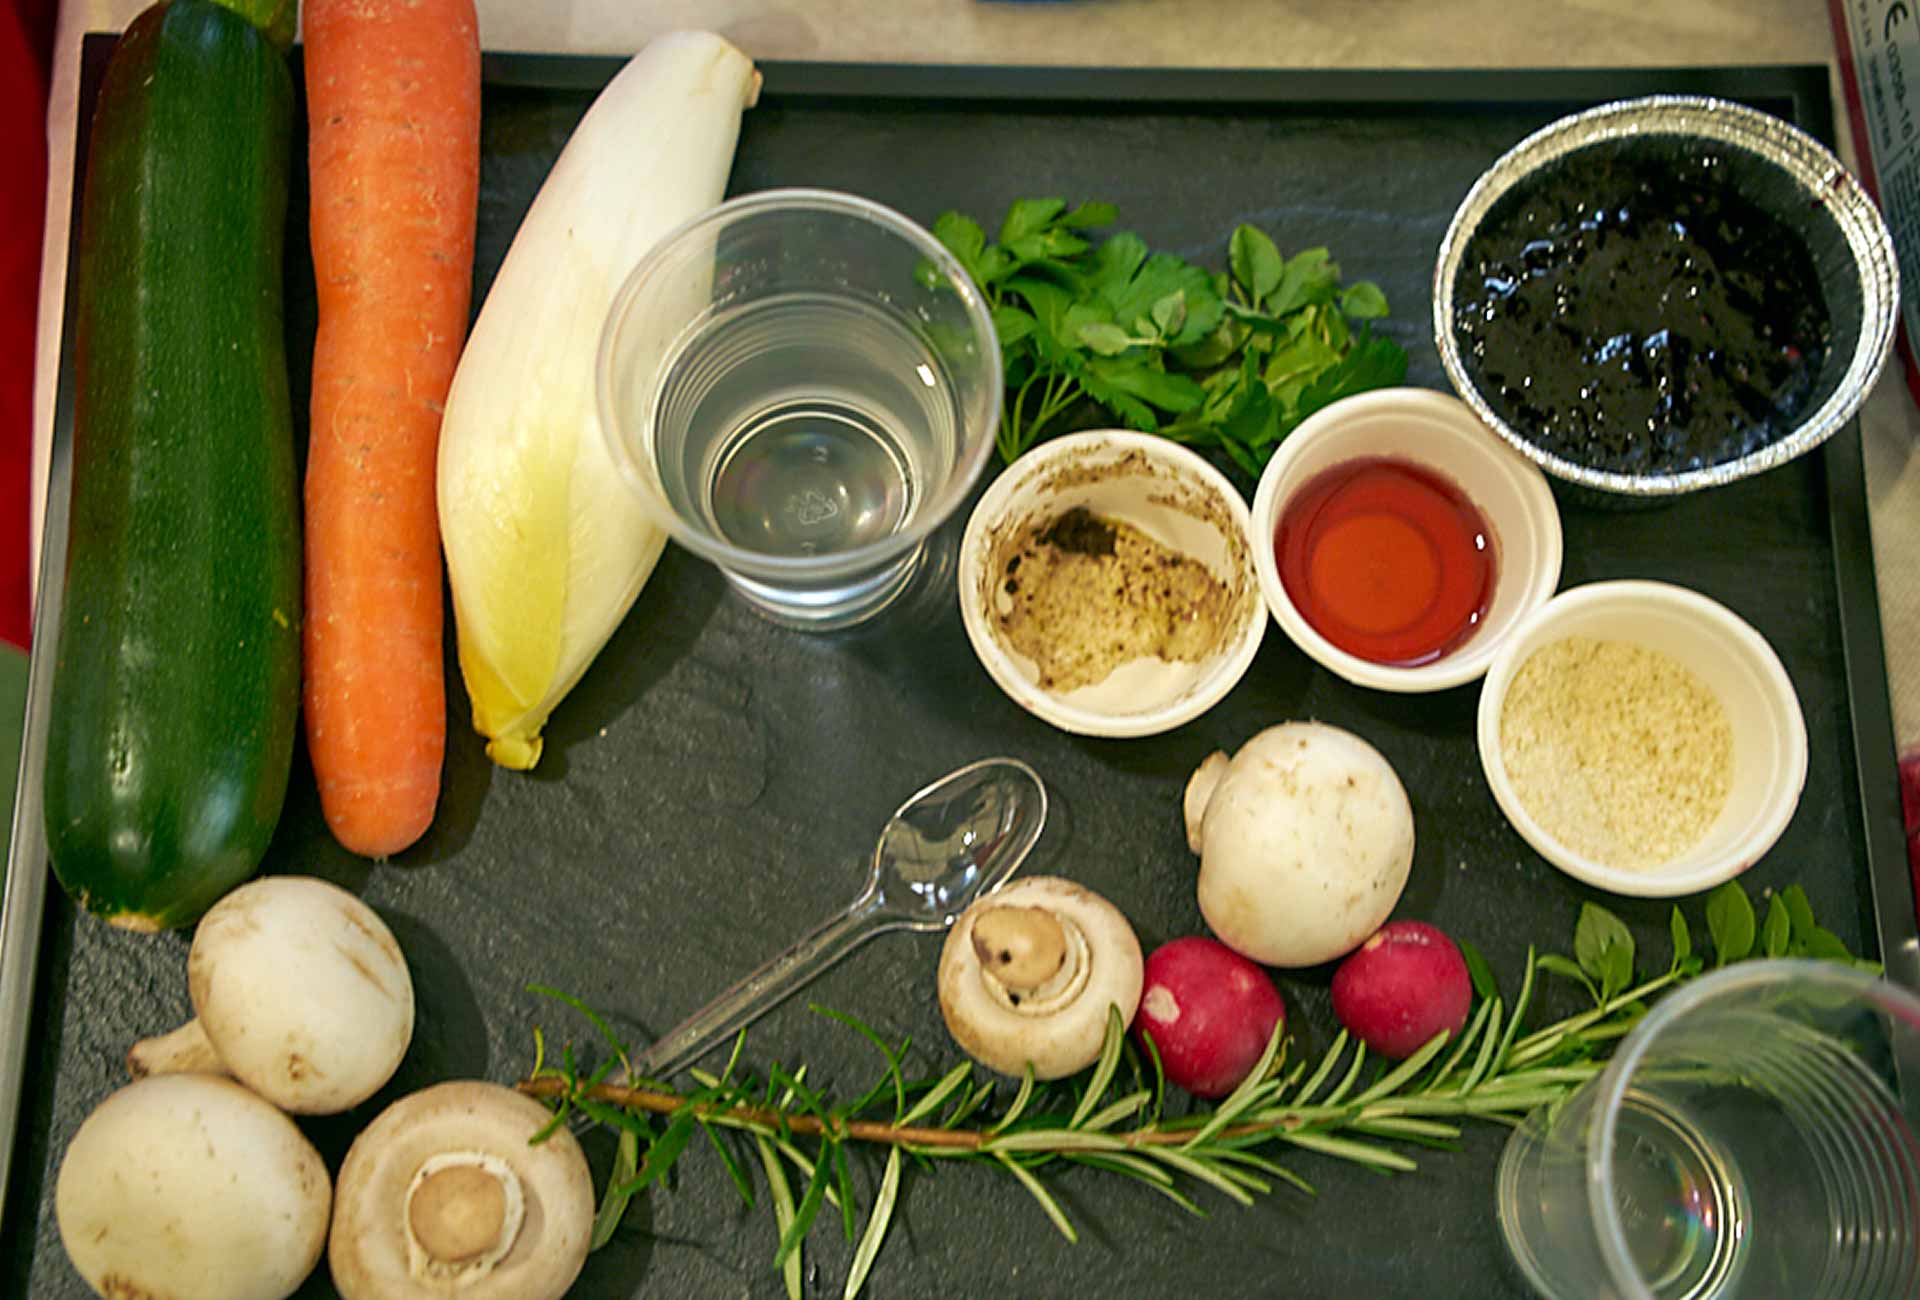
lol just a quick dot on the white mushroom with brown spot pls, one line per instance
(1027, 975)
(190, 1185)
(1305, 840)
(443, 1194)
(299, 991)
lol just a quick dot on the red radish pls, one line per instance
(1210, 1011)
(1401, 987)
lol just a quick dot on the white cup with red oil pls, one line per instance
(1398, 541)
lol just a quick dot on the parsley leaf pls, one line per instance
(1098, 331)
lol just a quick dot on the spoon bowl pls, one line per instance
(955, 840)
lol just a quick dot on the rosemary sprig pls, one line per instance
(1116, 1121)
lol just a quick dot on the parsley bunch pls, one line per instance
(1229, 362)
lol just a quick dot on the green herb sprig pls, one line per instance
(1114, 1119)
(1230, 361)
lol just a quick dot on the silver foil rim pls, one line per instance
(1820, 176)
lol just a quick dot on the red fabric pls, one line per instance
(26, 42)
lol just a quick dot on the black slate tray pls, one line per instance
(714, 784)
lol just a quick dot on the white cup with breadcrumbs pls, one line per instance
(1642, 738)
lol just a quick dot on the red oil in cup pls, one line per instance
(1387, 560)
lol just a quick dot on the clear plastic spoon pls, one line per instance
(955, 840)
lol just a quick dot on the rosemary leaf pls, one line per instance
(1324, 1069)
(893, 1061)
(938, 1093)
(741, 1182)
(1397, 1077)
(804, 1163)
(1119, 1110)
(660, 1156)
(1127, 1163)
(1255, 1088)
(845, 1188)
(1485, 1058)
(1161, 1181)
(1519, 1010)
(802, 1223)
(1461, 1045)
(1020, 1101)
(981, 1091)
(1353, 1073)
(1242, 1100)
(593, 1017)
(1103, 1068)
(877, 1221)
(1361, 1152)
(613, 1117)
(1204, 1171)
(782, 1196)
(1271, 1167)
(1040, 1194)
(613, 1206)
(1053, 1139)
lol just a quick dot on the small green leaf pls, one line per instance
(1777, 929)
(963, 238)
(1604, 947)
(1730, 921)
(1682, 937)
(1091, 213)
(1255, 261)
(1028, 216)
(1799, 912)
(1825, 945)
(1363, 301)
(1107, 339)
(1012, 325)
(1136, 378)
(1479, 971)
(1170, 313)
(1562, 966)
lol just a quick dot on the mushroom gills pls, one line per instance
(463, 1211)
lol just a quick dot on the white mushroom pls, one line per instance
(1305, 841)
(442, 1194)
(299, 991)
(189, 1185)
(1027, 974)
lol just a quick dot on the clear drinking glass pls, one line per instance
(802, 385)
(1753, 1136)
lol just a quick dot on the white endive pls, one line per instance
(547, 547)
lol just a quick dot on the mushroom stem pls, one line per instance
(1200, 788)
(186, 1050)
(464, 1210)
(1022, 947)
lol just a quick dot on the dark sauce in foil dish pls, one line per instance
(1637, 314)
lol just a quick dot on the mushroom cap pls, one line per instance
(1057, 1042)
(367, 1250)
(303, 992)
(189, 1185)
(1306, 843)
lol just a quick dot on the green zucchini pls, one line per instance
(177, 673)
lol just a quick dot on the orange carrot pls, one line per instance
(393, 102)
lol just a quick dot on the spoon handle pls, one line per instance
(761, 991)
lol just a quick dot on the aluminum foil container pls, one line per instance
(1804, 186)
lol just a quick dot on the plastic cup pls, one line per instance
(802, 386)
(1749, 1138)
